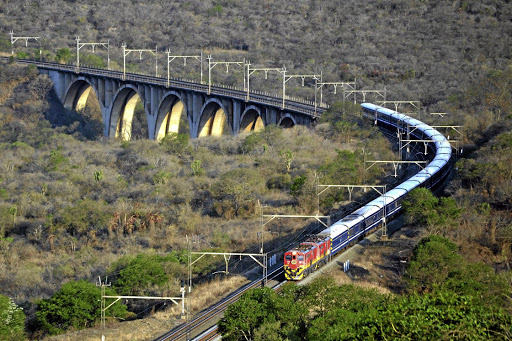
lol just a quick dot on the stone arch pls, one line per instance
(213, 119)
(287, 121)
(169, 115)
(251, 119)
(123, 110)
(77, 93)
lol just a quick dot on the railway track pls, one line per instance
(204, 328)
(204, 325)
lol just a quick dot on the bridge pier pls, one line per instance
(205, 114)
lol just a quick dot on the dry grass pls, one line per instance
(204, 295)
(137, 330)
(7, 91)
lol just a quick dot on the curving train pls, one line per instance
(312, 253)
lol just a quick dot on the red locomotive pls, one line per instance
(307, 257)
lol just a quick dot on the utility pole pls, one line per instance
(173, 299)
(14, 39)
(126, 52)
(251, 71)
(381, 189)
(79, 45)
(212, 64)
(350, 85)
(395, 164)
(170, 58)
(302, 77)
(103, 309)
(414, 104)
(378, 94)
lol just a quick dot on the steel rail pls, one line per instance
(214, 311)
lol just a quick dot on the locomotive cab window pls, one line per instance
(301, 258)
(288, 257)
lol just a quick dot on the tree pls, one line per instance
(434, 260)
(422, 207)
(344, 312)
(436, 266)
(92, 60)
(238, 186)
(63, 55)
(272, 134)
(251, 142)
(443, 315)
(137, 276)
(40, 86)
(419, 205)
(297, 186)
(175, 143)
(12, 320)
(84, 216)
(287, 156)
(76, 305)
(345, 130)
(263, 314)
(338, 111)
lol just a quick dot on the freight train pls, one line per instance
(301, 261)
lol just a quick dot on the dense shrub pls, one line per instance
(462, 300)
(77, 305)
(145, 272)
(12, 320)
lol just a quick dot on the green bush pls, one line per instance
(434, 260)
(175, 143)
(298, 185)
(92, 60)
(422, 207)
(57, 161)
(22, 55)
(436, 266)
(144, 273)
(77, 305)
(12, 320)
(63, 55)
(251, 142)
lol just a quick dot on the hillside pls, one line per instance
(418, 50)
(73, 208)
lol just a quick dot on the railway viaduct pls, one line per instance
(208, 112)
